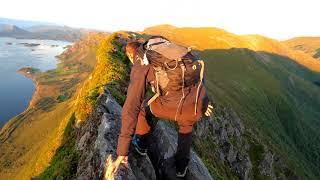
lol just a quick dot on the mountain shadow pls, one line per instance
(274, 96)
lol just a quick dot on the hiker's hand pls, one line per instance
(112, 167)
(209, 110)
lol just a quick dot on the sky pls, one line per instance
(278, 19)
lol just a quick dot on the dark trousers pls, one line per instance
(147, 122)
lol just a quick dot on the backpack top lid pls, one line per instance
(166, 48)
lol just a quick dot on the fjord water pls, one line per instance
(16, 90)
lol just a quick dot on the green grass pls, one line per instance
(31, 70)
(46, 103)
(111, 67)
(64, 163)
(255, 153)
(275, 96)
(217, 168)
(116, 89)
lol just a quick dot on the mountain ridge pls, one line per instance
(215, 38)
(267, 104)
(309, 45)
(40, 30)
(269, 69)
(23, 23)
(12, 30)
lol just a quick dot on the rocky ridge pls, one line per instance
(239, 148)
(97, 138)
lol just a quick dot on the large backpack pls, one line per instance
(176, 68)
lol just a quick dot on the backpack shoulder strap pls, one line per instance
(199, 85)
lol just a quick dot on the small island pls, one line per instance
(30, 44)
(9, 43)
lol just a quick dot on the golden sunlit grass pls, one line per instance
(309, 45)
(110, 69)
(106, 71)
(29, 141)
(214, 38)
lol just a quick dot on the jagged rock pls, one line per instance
(266, 165)
(97, 138)
(243, 166)
(229, 135)
(81, 143)
(226, 130)
(164, 147)
(141, 166)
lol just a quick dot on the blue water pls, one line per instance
(16, 90)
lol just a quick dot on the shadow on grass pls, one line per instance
(272, 94)
(65, 161)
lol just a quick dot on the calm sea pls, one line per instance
(16, 90)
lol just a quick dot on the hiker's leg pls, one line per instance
(182, 155)
(144, 127)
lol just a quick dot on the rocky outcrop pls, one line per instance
(267, 164)
(235, 145)
(163, 148)
(97, 138)
(226, 131)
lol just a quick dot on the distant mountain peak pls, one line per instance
(7, 29)
(39, 30)
(24, 23)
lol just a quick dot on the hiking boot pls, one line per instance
(139, 145)
(181, 165)
(181, 173)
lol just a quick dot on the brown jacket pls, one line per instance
(163, 107)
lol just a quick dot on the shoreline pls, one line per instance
(36, 93)
(31, 73)
(39, 90)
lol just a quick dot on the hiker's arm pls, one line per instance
(131, 108)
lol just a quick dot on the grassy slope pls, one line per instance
(309, 45)
(112, 69)
(282, 106)
(29, 140)
(63, 164)
(273, 94)
(213, 38)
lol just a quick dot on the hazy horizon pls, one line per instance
(276, 19)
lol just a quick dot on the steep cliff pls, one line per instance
(97, 138)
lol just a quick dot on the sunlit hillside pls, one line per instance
(309, 45)
(29, 140)
(213, 38)
(272, 87)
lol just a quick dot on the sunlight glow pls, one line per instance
(277, 19)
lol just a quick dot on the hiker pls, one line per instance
(176, 77)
